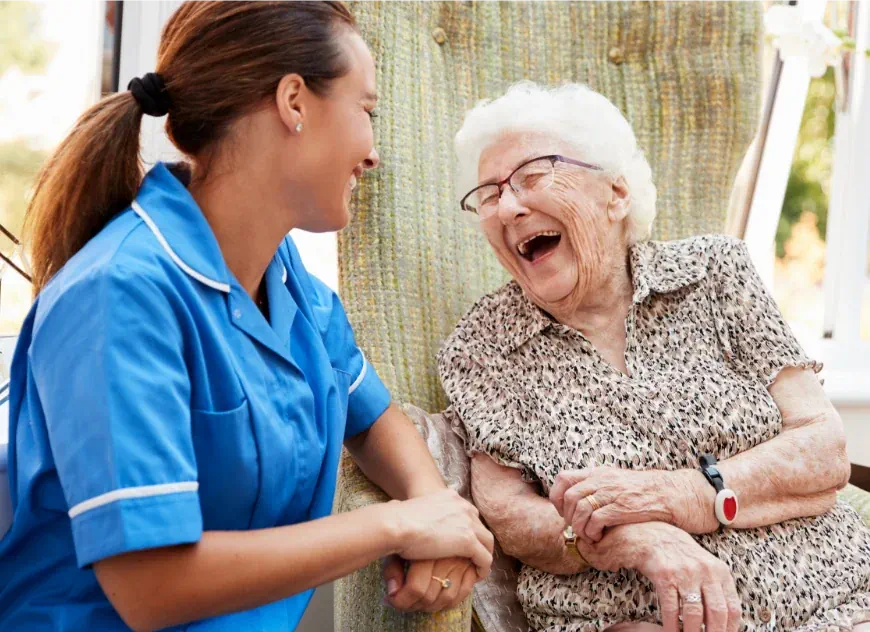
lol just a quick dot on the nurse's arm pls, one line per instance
(393, 455)
(232, 571)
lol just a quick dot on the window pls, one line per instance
(50, 71)
(808, 227)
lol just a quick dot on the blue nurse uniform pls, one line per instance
(151, 400)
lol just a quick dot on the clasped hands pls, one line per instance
(695, 589)
(595, 498)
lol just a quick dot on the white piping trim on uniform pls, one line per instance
(359, 378)
(145, 491)
(283, 273)
(223, 287)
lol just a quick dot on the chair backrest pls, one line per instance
(685, 74)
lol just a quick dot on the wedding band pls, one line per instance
(595, 504)
(445, 583)
(691, 598)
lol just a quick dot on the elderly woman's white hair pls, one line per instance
(573, 112)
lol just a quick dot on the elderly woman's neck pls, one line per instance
(605, 303)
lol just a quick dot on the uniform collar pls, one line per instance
(166, 206)
(656, 267)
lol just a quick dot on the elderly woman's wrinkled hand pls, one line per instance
(690, 582)
(592, 499)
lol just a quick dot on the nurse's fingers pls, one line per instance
(481, 556)
(465, 584)
(484, 535)
(446, 597)
(394, 574)
(468, 581)
(417, 583)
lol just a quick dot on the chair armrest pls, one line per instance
(858, 499)
(359, 605)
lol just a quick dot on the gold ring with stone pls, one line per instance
(595, 504)
(445, 583)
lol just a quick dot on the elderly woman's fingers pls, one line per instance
(735, 607)
(565, 480)
(691, 609)
(669, 606)
(580, 519)
(576, 497)
(607, 516)
(715, 608)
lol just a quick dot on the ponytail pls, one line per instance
(217, 61)
(93, 174)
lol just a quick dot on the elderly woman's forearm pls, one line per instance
(800, 464)
(796, 474)
(526, 525)
(793, 475)
(529, 529)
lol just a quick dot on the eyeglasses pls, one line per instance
(533, 175)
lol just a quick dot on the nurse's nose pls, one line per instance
(373, 160)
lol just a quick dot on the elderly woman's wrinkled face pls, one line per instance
(557, 243)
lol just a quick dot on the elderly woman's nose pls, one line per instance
(510, 208)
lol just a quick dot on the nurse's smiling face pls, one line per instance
(335, 146)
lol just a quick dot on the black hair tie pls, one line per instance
(150, 93)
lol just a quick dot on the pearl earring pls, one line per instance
(298, 127)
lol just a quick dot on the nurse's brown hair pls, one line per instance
(218, 61)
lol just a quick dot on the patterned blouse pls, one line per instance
(704, 341)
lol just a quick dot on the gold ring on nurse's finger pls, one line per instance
(445, 583)
(595, 504)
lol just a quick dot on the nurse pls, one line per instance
(182, 386)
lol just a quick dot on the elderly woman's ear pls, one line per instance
(620, 202)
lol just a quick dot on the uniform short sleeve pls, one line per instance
(493, 419)
(755, 336)
(368, 398)
(107, 360)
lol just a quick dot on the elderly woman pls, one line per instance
(613, 372)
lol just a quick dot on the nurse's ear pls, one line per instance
(290, 98)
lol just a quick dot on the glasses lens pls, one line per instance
(535, 176)
(483, 200)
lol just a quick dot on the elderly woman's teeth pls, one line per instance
(526, 247)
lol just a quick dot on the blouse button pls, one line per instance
(765, 615)
(237, 313)
(683, 445)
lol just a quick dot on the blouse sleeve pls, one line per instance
(755, 337)
(493, 420)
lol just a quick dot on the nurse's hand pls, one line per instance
(441, 525)
(418, 590)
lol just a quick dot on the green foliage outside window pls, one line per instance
(809, 181)
(21, 46)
